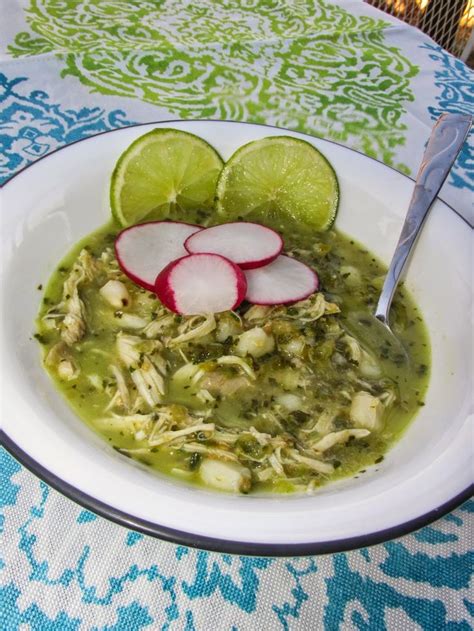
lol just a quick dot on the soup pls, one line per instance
(261, 399)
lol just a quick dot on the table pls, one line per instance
(341, 70)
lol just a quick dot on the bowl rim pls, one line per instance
(226, 546)
(214, 544)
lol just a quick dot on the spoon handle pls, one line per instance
(444, 144)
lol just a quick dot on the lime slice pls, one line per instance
(164, 174)
(276, 179)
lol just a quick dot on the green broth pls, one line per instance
(350, 277)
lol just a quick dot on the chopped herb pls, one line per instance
(300, 416)
(194, 461)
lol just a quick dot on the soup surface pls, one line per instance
(281, 399)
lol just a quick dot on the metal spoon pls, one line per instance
(442, 149)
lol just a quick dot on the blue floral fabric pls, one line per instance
(62, 568)
(455, 81)
(32, 126)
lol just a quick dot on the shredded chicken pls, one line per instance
(73, 326)
(168, 437)
(312, 463)
(127, 349)
(160, 326)
(59, 357)
(195, 328)
(121, 387)
(130, 423)
(233, 360)
(337, 438)
(200, 448)
(367, 411)
(150, 384)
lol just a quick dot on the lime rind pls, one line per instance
(139, 190)
(279, 178)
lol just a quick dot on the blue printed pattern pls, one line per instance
(31, 126)
(456, 82)
(424, 578)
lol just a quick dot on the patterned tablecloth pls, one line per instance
(341, 70)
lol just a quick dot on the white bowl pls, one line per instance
(50, 205)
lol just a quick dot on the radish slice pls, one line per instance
(145, 249)
(281, 282)
(201, 283)
(248, 245)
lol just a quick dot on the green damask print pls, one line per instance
(307, 65)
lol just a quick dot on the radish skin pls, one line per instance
(282, 282)
(249, 245)
(201, 283)
(143, 250)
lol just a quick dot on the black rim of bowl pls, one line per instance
(213, 544)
